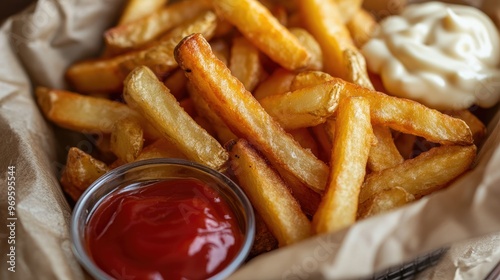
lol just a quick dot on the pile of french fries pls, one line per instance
(274, 93)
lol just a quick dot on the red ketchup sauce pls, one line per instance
(172, 229)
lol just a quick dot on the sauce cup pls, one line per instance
(130, 181)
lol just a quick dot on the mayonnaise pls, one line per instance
(444, 56)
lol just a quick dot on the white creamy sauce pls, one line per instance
(444, 56)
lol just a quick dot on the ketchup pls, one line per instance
(172, 229)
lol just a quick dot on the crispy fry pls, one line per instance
(308, 79)
(245, 63)
(477, 127)
(80, 172)
(258, 25)
(411, 117)
(126, 139)
(430, 171)
(348, 8)
(361, 27)
(136, 9)
(136, 34)
(84, 113)
(384, 154)
(269, 195)
(312, 46)
(278, 82)
(304, 107)
(384, 201)
(353, 137)
(153, 100)
(107, 75)
(243, 114)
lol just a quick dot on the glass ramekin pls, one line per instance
(148, 171)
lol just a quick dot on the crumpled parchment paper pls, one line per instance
(36, 47)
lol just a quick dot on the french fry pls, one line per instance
(84, 113)
(304, 107)
(80, 172)
(477, 127)
(410, 117)
(353, 138)
(308, 79)
(324, 22)
(258, 25)
(278, 82)
(245, 63)
(161, 148)
(136, 9)
(176, 83)
(269, 195)
(428, 172)
(384, 154)
(348, 8)
(312, 46)
(384, 201)
(243, 114)
(361, 26)
(126, 139)
(108, 74)
(153, 100)
(138, 33)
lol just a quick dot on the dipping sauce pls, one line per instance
(444, 56)
(171, 229)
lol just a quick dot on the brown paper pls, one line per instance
(37, 46)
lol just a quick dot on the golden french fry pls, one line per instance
(278, 82)
(259, 26)
(136, 9)
(304, 107)
(348, 8)
(161, 148)
(312, 46)
(355, 66)
(269, 195)
(243, 114)
(308, 79)
(305, 139)
(361, 26)
(384, 201)
(410, 117)
(245, 63)
(126, 139)
(138, 33)
(84, 113)
(351, 146)
(176, 83)
(384, 154)
(80, 172)
(107, 75)
(428, 172)
(153, 100)
(476, 126)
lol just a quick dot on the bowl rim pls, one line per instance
(78, 246)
